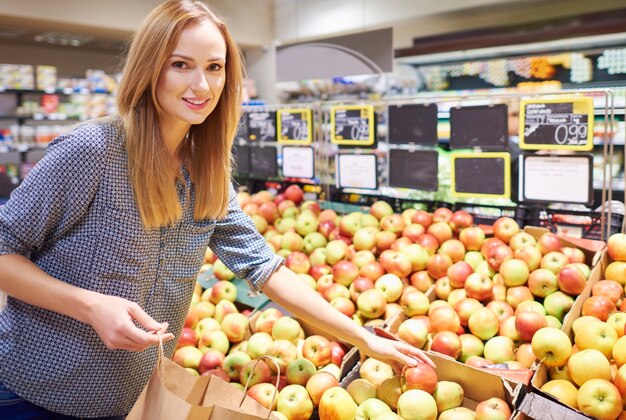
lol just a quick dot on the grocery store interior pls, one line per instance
(409, 140)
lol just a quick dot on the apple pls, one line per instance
(458, 413)
(563, 390)
(443, 288)
(265, 394)
(470, 346)
(371, 408)
(318, 383)
(428, 242)
(255, 372)
(371, 303)
(441, 231)
(235, 325)
(456, 295)
(620, 381)
(215, 340)
(243, 198)
(493, 409)
(497, 255)
(187, 338)
(570, 279)
(361, 390)
(317, 349)
(473, 258)
(384, 240)
(528, 323)
(266, 319)
(412, 231)
(421, 280)
(336, 403)
(413, 332)
(582, 321)
(531, 306)
(358, 286)
(283, 352)
(418, 256)
(261, 197)
(415, 303)
(362, 257)
(416, 404)
(609, 289)
(294, 193)
(461, 220)
(558, 304)
(344, 272)
(442, 214)
(521, 240)
(478, 362)
(588, 364)
(514, 272)
(188, 357)
(423, 218)
(381, 209)
(250, 209)
(616, 271)
(375, 371)
(484, 323)
(313, 241)
(453, 248)
(599, 399)
(234, 363)
(617, 320)
(258, 343)
(307, 223)
(269, 212)
(479, 287)
(542, 282)
(336, 250)
(599, 306)
(574, 255)
(389, 391)
(298, 262)
(448, 395)
(343, 305)
(444, 318)
(529, 254)
(502, 309)
(472, 238)
(396, 263)
(286, 328)
(295, 403)
(524, 354)
(549, 242)
(372, 270)
(211, 359)
(448, 343)
(299, 371)
(599, 336)
(507, 328)
(458, 272)
(616, 247)
(504, 228)
(619, 351)
(222, 272)
(422, 377)
(392, 223)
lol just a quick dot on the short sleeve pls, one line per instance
(56, 194)
(239, 245)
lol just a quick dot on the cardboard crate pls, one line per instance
(541, 372)
(468, 377)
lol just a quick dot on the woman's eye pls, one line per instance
(179, 65)
(215, 67)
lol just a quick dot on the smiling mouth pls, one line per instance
(196, 101)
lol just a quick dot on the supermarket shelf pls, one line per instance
(67, 92)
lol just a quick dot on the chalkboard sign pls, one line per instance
(357, 171)
(242, 128)
(550, 124)
(263, 162)
(261, 126)
(298, 162)
(352, 125)
(417, 170)
(294, 126)
(485, 127)
(241, 164)
(413, 124)
(556, 178)
(481, 175)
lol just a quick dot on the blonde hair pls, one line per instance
(207, 149)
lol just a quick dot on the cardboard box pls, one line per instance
(478, 385)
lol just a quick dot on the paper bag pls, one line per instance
(172, 393)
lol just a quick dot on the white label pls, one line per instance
(356, 171)
(556, 178)
(298, 162)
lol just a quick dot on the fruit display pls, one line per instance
(583, 366)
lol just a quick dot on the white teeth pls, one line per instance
(195, 101)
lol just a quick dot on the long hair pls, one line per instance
(207, 149)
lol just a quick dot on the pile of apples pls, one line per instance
(590, 374)
(416, 394)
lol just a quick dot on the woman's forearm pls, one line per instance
(23, 280)
(312, 308)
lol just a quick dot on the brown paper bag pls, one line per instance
(172, 393)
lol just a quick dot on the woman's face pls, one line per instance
(192, 78)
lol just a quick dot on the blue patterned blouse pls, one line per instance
(75, 217)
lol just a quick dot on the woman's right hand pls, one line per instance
(115, 318)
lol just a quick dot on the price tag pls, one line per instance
(294, 126)
(552, 124)
(352, 125)
(262, 126)
(566, 179)
(263, 162)
(298, 162)
(357, 171)
(481, 175)
(418, 170)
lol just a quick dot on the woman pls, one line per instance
(102, 242)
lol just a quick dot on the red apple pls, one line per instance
(421, 377)
(442, 214)
(549, 242)
(504, 228)
(460, 220)
(528, 323)
(599, 306)
(472, 237)
(438, 264)
(447, 343)
(616, 247)
(609, 289)
(380, 209)
(479, 286)
(423, 218)
(441, 231)
(413, 231)
(492, 409)
(465, 308)
(571, 280)
(497, 255)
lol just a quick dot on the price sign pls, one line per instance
(413, 124)
(552, 124)
(566, 179)
(352, 125)
(357, 171)
(263, 162)
(481, 175)
(262, 126)
(294, 126)
(242, 159)
(414, 169)
(298, 162)
(484, 127)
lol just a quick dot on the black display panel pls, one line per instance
(261, 126)
(482, 176)
(263, 162)
(414, 123)
(414, 169)
(242, 159)
(485, 127)
(242, 127)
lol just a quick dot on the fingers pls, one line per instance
(412, 353)
(143, 318)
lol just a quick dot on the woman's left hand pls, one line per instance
(395, 353)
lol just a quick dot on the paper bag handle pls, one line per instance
(245, 391)
(160, 356)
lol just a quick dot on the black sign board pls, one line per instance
(485, 127)
(294, 126)
(242, 128)
(352, 125)
(481, 175)
(413, 124)
(556, 124)
(242, 159)
(413, 169)
(261, 126)
(263, 162)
